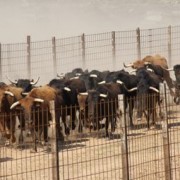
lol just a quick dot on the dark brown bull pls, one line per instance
(177, 83)
(100, 103)
(8, 95)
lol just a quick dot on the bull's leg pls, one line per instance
(107, 126)
(67, 130)
(59, 133)
(73, 115)
(80, 127)
(131, 107)
(34, 138)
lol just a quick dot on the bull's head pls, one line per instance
(26, 104)
(144, 96)
(135, 65)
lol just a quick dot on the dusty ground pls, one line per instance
(92, 156)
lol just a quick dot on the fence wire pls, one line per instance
(128, 153)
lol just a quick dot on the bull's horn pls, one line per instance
(146, 63)
(149, 69)
(38, 100)
(77, 77)
(154, 89)
(14, 104)
(93, 75)
(24, 93)
(67, 89)
(60, 76)
(9, 93)
(103, 95)
(133, 89)
(131, 72)
(84, 93)
(102, 82)
(170, 69)
(119, 82)
(33, 83)
(129, 65)
(78, 74)
(13, 82)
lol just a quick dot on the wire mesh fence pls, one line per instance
(105, 51)
(136, 152)
(128, 152)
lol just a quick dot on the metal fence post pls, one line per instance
(83, 51)
(54, 56)
(0, 63)
(54, 145)
(124, 142)
(114, 49)
(169, 46)
(138, 38)
(29, 56)
(165, 131)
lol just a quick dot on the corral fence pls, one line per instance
(127, 153)
(104, 51)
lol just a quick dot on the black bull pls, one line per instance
(103, 103)
(147, 94)
(177, 83)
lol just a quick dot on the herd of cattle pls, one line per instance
(93, 94)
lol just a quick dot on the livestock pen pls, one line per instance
(128, 153)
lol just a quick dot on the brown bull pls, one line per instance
(8, 95)
(158, 64)
(35, 108)
(156, 60)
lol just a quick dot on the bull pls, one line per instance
(36, 111)
(69, 89)
(8, 95)
(148, 95)
(26, 84)
(156, 60)
(176, 69)
(129, 82)
(100, 103)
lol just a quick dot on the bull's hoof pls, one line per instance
(80, 129)
(67, 131)
(177, 100)
(73, 126)
(7, 143)
(33, 151)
